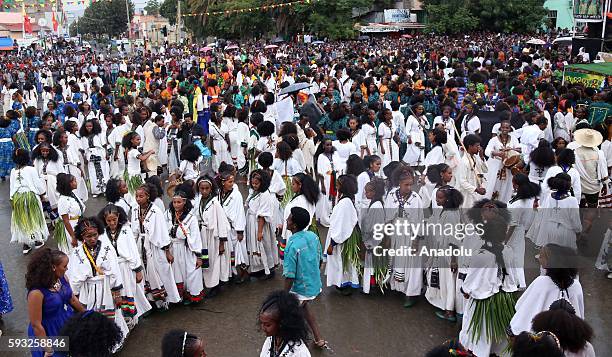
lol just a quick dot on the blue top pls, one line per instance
(302, 258)
(56, 310)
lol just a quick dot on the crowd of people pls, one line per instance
(221, 166)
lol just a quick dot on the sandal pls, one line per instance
(322, 344)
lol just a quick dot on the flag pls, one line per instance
(27, 26)
(54, 21)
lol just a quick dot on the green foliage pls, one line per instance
(152, 7)
(511, 15)
(168, 10)
(105, 18)
(245, 24)
(331, 18)
(446, 18)
(455, 16)
(325, 18)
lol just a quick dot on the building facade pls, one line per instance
(560, 14)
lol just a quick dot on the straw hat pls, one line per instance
(588, 137)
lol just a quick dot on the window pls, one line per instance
(552, 14)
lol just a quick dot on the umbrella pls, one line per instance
(292, 88)
(205, 49)
(270, 47)
(278, 40)
(231, 47)
(364, 37)
(212, 44)
(318, 42)
(536, 41)
(407, 36)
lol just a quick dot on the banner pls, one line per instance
(397, 15)
(586, 79)
(588, 10)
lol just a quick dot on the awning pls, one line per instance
(600, 68)
(389, 27)
(6, 44)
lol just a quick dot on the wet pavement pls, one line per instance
(357, 325)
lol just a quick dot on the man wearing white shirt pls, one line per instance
(531, 136)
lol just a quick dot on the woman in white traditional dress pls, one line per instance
(540, 160)
(189, 168)
(220, 141)
(489, 288)
(94, 148)
(565, 163)
(261, 242)
(357, 138)
(388, 139)
(559, 281)
(403, 204)
(47, 165)
(267, 138)
(186, 247)
(561, 223)
(118, 234)
(372, 164)
(522, 209)
(279, 310)
(28, 225)
(368, 133)
(238, 132)
(286, 166)
(499, 177)
(441, 271)
(328, 162)
(117, 194)
(70, 158)
(214, 231)
(416, 124)
(343, 232)
(563, 119)
(94, 273)
(151, 229)
(133, 172)
(470, 123)
(233, 205)
(446, 123)
(343, 145)
(375, 267)
(69, 208)
(306, 194)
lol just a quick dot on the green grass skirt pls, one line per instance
(27, 214)
(350, 251)
(495, 313)
(133, 182)
(59, 234)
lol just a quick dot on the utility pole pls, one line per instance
(127, 12)
(178, 21)
(603, 24)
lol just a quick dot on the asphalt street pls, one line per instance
(357, 325)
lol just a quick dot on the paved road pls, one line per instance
(357, 325)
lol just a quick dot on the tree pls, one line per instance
(152, 7)
(450, 18)
(455, 16)
(511, 15)
(105, 18)
(330, 18)
(168, 10)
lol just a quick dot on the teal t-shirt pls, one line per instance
(303, 255)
